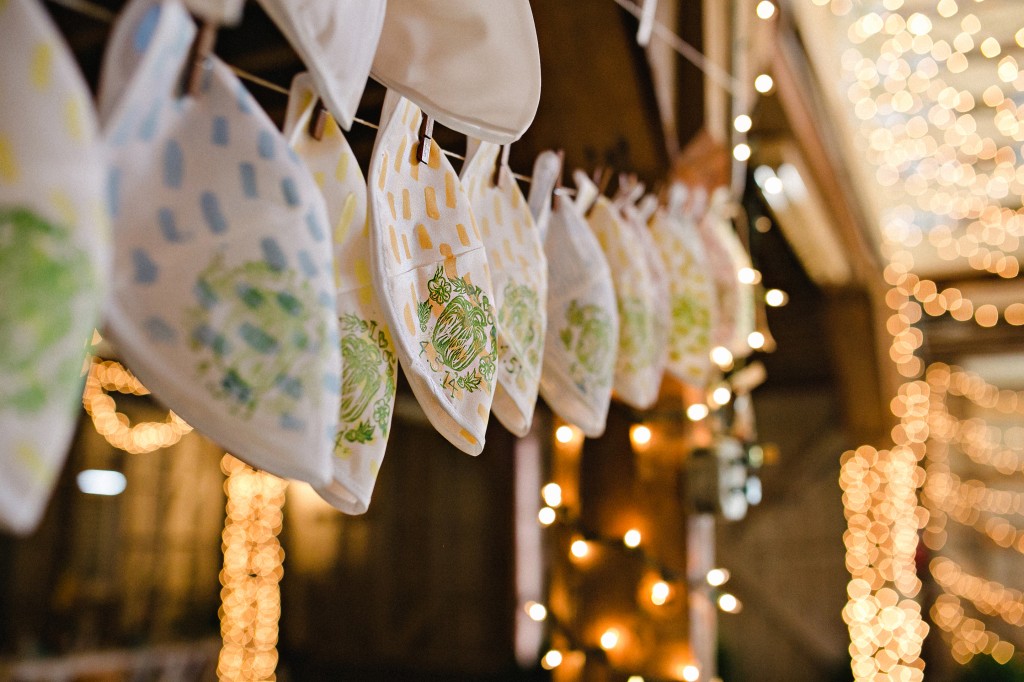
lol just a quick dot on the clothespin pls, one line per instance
(202, 46)
(502, 162)
(556, 202)
(426, 137)
(602, 178)
(318, 120)
(643, 32)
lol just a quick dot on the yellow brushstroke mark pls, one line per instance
(406, 204)
(508, 250)
(74, 120)
(476, 230)
(400, 155)
(434, 156)
(430, 199)
(517, 227)
(482, 411)
(320, 178)
(517, 197)
(467, 436)
(391, 204)
(409, 323)
(498, 218)
(383, 172)
(485, 225)
(348, 213)
(361, 269)
(41, 65)
(33, 461)
(9, 170)
(405, 245)
(341, 170)
(424, 237)
(64, 206)
(496, 259)
(449, 189)
(394, 243)
(449, 260)
(331, 128)
(463, 235)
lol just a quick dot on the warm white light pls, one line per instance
(564, 434)
(717, 577)
(728, 603)
(546, 516)
(721, 395)
(742, 123)
(635, 678)
(765, 9)
(610, 639)
(776, 298)
(773, 185)
(919, 24)
(721, 356)
(580, 548)
(640, 434)
(748, 276)
(101, 482)
(659, 592)
(763, 83)
(741, 152)
(696, 412)
(552, 494)
(755, 340)
(632, 538)
(551, 660)
(536, 611)
(691, 673)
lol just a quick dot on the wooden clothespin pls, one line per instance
(202, 47)
(426, 138)
(646, 27)
(502, 163)
(318, 120)
(556, 202)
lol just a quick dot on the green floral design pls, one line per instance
(41, 273)
(636, 347)
(258, 333)
(369, 372)
(520, 323)
(463, 339)
(588, 339)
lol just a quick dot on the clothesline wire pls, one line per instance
(684, 49)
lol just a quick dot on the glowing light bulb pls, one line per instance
(721, 356)
(696, 412)
(536, 611)
(659, 592)
(741, 152)
(763, 83)
(765, 9)
(546, 516)
(610, 639)
(721, 395)
(717, 577)
(755, 340)
(776, 298)
(632, 538)
(552, 494)
(580, 548)
(640, 435)
(564, 434)
(635, 678)
(551, 660)
(919, 24)
(728, 603)
(691, 673)
(742, 123)
(773, 185)
(101, 482)
(748, 276)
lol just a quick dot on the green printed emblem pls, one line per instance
(463, 340)
(587, 337)
(42, 272)
(368, 373)
(258, 333)
(520, 324)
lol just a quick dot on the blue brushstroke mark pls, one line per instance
(159, 331)
(290, 423)
(257, 339)
(174, 162)
(290, 192)
(205, 294)
(145, 268)
(273, 254)
(206, 336)
(243, 98)
(291, 386)
(289, 303)
(250, 296)
(326, 300)
(306, 262)
(332, 383)
(147, 131)
(214, 217)
(114, 190)
(248, 172)
(314, 226)
(146, 28)
(265, 145)
(169, 226)
(220, 131)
